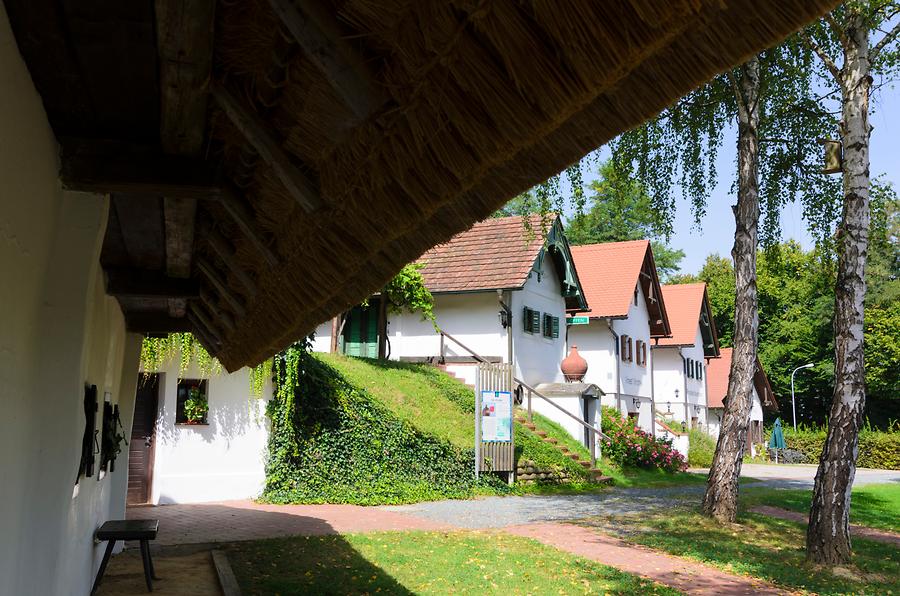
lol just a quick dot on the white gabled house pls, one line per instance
(497, 291)
(763, 398)
(680, 361)
(626, 313)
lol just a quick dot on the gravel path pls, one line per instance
(500, 512)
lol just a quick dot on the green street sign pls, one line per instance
(577, 321)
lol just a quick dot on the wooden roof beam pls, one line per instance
(219, 245)
(234, 205)
(258, 134)
(204, 267)
(152, 323)
(104, 167)
(319, 34)
(133, 283)
(204, 329)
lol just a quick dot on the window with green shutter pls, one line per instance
(555, 327)
(532, 320)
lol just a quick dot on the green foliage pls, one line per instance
(877, 449)
(158, 351)
(679, 148)
(622, 210)
(332, 442)
(629, 446)
(882, 346)
(407, 291)
(196, 406)
(701, 450)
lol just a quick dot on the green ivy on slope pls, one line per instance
(331, 442)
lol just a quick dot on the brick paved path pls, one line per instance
(884, 536)
(688, 576)
(245, 520)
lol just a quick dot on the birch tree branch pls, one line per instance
(738, 96)
(824, 57)
(887, 39)
(837, 30)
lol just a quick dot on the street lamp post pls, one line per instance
(793, 404)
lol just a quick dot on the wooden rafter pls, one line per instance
(130, 283)
(242, 215)
(204, 267)
(258, 134)
(319, 34)
(203, 328)
(219, 245)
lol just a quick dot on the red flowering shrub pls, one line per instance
(629, 446)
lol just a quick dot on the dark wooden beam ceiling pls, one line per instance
(133, 283)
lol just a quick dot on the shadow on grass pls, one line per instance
(307, 565)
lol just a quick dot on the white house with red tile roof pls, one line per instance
(718, 373)
(626, 312)
(680, 361)
(499, 289)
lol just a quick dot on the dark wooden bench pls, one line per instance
(143, 530)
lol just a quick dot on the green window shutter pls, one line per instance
(526, 318)
(536, 321)
(548, 325)
(555, 327)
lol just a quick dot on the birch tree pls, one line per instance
(842, 41)
(771, 100)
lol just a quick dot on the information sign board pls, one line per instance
(496, 416)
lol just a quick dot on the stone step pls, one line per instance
(529, 426)
(600, 478)
(563, 449)
(574, 456)
(551, 440)
(585, 464)
(541, 433)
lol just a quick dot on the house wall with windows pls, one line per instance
(219, 460)
(681, 369)
(60, 332)
(624, 376)
(716, 415)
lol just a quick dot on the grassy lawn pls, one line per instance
(422, 563)
(875, 505)
(762, 547)
(410, 392)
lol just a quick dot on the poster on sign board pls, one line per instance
(496, 416)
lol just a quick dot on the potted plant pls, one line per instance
(196, 406)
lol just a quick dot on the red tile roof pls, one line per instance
(683, 305)
(717, 372)
(609, 273)
(492, 254)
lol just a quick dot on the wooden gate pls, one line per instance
(494, 456)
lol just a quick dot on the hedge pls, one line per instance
(877, 449)
(701, 449)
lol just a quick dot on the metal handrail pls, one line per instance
(532, 390)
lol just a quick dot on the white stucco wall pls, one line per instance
(668, 375)
(221, 461)
(322, 339)
(597, 344)
(473, 319)
(59, 332)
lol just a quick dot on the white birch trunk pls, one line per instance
(828, 534)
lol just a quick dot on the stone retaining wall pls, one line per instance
(529, 473)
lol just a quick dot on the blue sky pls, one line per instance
(716, 233)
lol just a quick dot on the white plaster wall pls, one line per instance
(597, 344)
(470, 318)
(59, 332)
(221, 461)
(537, 357)
(668, 375)
(572, 404)
(322, 339)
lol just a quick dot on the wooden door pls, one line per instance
(141, 444)
(361, 331)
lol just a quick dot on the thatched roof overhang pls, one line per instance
(343, 138)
